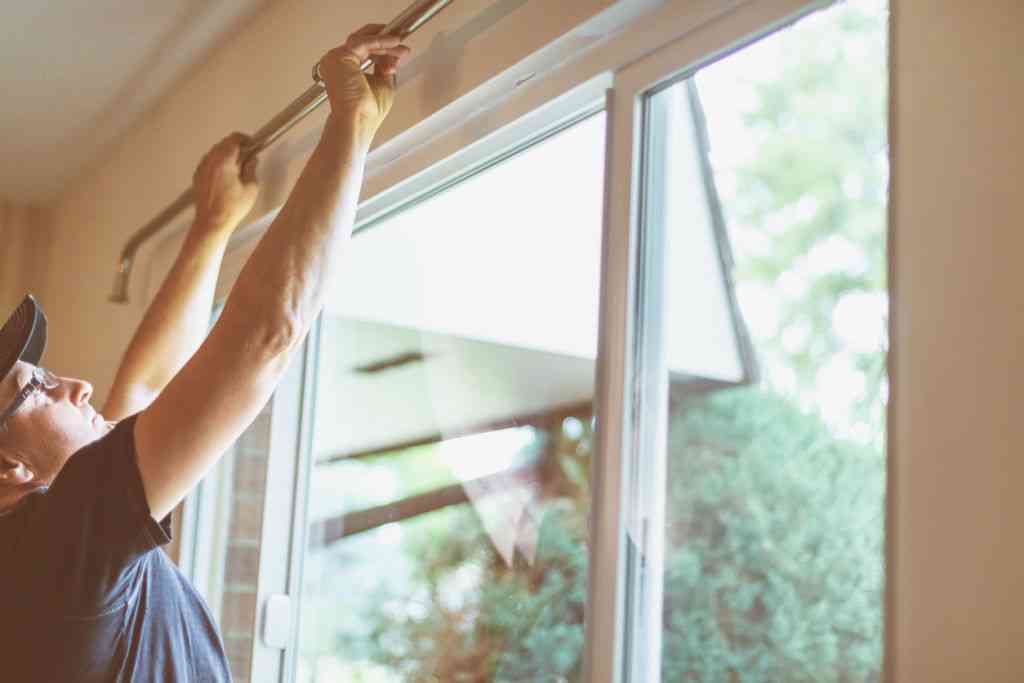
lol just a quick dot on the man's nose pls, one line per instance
(79, 391)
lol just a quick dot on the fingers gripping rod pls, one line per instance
(406, 23)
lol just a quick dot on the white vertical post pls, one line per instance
(624, 614)
(606, 592)
(282, 477)
(300, 499)
(645, 506)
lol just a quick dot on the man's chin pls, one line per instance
(98, 430)
(101, 426)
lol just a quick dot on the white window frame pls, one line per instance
(623, 640)
(653, 43)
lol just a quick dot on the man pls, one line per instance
(84, 499)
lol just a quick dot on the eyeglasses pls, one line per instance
(41, 380)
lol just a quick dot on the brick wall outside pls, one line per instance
(238, 606)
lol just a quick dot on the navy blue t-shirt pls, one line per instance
(88, 596)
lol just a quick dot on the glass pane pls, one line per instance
(448, 498)
(774, 507)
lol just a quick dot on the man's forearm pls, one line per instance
(174, 325)
(281, 290)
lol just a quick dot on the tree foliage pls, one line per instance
(774, 568)
(773, 564)
(806, 208)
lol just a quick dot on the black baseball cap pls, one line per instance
(23, 336)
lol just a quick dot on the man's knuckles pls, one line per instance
(360, 47)
(340, 60)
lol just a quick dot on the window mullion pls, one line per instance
(606, 592)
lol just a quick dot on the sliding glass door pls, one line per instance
(607, 404)
(448, 502)
(753, 439)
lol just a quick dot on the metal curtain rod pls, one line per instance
(406, 23)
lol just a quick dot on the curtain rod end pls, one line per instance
(120, 293)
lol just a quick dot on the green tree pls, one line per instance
(499, 622)
(774, 546)
(807, 206)
(773, 567)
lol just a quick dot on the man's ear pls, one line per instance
(13, 472)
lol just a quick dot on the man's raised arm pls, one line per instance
(177, 320)
(280, 291)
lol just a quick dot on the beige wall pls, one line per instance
(957, 561)
(23, 257)
(957, 462)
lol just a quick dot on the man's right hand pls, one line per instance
(357, 98)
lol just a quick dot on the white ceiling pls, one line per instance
(76, 73)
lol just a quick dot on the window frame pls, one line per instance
(668, 41)
(623, 639)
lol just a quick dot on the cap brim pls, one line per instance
(23, 336)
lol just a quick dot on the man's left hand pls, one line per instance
(225, 189)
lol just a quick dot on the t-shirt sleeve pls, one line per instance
(95, 527)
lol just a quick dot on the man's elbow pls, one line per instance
(263, 332)
(276, 337)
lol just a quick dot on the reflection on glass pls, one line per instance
(775, 485)
(448, 497)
